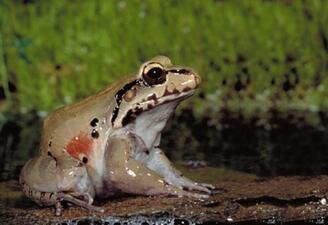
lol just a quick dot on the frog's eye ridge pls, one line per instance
(154, 73)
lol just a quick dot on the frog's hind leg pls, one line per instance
(158, 162)
(132, 176)
(49, 180)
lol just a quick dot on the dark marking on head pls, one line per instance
(147, 152)
(49, 154)
(94, 133)
(94, 122)
(85, 160)
(174, 91)
(129, 117)
(186, 89)
(119, 95)
(43, 194)
(137, 111)
(153, 97)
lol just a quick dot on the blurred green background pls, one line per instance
(264, 66)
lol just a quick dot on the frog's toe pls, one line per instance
(95, 209)
(88, 198)
(207, 188)
(201, 188)
(193, 195)
(58, 208)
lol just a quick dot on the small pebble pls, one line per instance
(323, 201)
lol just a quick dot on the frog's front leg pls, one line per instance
(132, 176)
(49, 181)
(158, 162)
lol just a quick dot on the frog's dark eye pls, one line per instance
(153, 74)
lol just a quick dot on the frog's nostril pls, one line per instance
(184, 71)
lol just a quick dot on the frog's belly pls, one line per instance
(98, 173)
(102, 186)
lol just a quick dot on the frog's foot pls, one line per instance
(209, 186)
(75, 201)
(202, 187)
(195, 195)
(158, 162)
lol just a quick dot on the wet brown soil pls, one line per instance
(251, 199)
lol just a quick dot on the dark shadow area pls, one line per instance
(284, 145)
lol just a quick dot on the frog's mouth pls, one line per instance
(169, 94)
(153, 101)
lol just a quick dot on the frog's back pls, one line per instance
(67, 120)
(93, 103)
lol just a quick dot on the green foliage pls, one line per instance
(252, 55)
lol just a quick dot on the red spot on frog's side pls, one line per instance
(79, 145)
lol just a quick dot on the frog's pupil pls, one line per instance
(155, 72)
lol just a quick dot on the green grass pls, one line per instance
(59, 52)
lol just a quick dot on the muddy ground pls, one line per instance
(240, 198)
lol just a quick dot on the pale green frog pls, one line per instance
(109, 142)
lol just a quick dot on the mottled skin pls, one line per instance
(109, 142)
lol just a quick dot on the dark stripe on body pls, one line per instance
(119, 95)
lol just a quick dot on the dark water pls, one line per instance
(279, 144)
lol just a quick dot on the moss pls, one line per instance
(252, 55)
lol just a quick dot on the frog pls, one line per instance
(109, 143)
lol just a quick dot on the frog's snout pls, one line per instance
(197, 80)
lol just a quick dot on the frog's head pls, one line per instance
(157, 82)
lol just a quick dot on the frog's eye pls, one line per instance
(153, 74)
